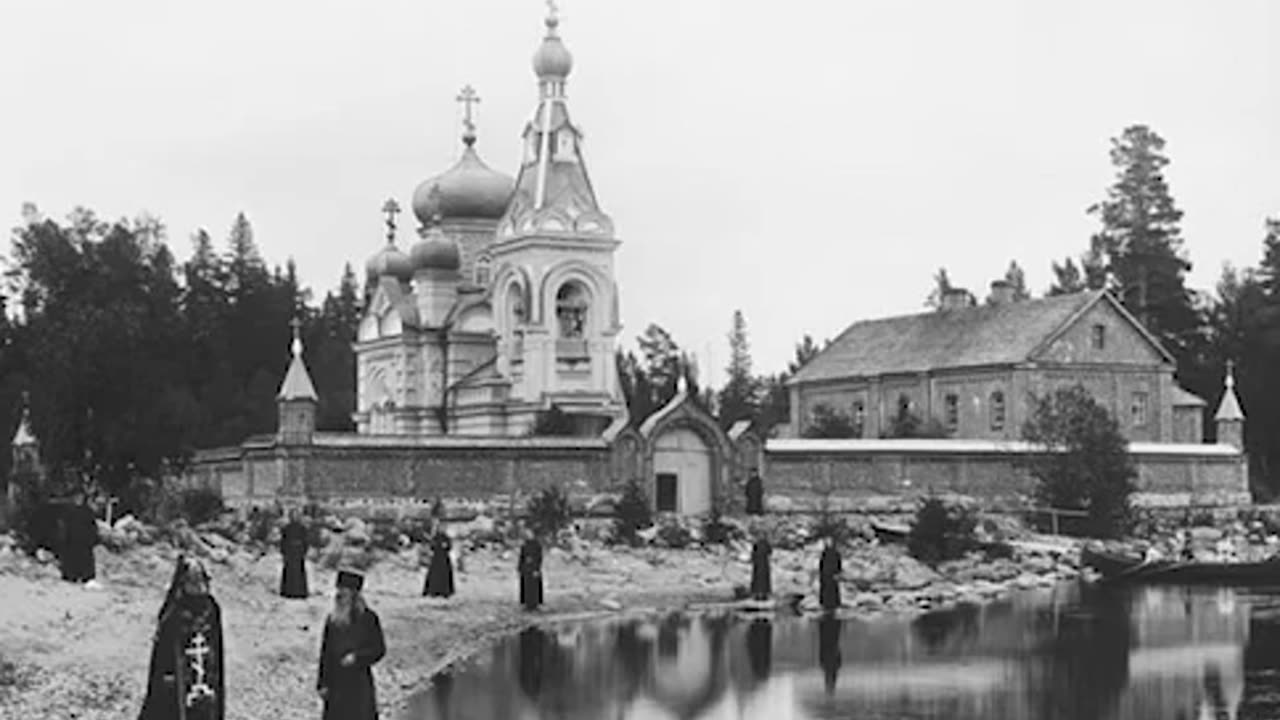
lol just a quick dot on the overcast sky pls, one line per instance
(812, 163)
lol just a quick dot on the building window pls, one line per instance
(859, 418)
(904, 404)
(1138, 409)
(952, 404)
(1099, 337)
(482, 271)
(997, 411)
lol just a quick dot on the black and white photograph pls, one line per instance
(618, 360)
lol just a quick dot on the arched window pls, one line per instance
(517, 314)
(482, 270)
(996, 410)
(571, 310)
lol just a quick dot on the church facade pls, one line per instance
(507, 305)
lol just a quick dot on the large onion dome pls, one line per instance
(470, 189)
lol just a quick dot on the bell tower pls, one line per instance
(555, 297)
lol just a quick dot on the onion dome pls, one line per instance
(469, 189)
(389, 261)
(435, 252)
(552, 60)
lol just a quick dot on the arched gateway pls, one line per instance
(687, 457)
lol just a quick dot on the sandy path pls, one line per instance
(69, 652)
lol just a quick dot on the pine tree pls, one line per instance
(1067, 278)
(1140, 243)
(739, 399)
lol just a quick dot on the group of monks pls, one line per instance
(186, 679)
(829, 568)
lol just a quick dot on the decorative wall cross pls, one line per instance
(390, 208)
(197, 650)
(468, 97)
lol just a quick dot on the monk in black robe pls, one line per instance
(829, 567)
(293, 550)
(829, 650)
(187, 678)
(755, 494)
(79, 537)
(761, 584)
(530, 568)
(439, 582)
(352, 643)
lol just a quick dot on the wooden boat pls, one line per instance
(1117, 567)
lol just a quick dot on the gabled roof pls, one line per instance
(1185, 398)
(1001, 334)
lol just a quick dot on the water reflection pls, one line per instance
(1077, 653)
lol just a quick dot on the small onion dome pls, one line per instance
(389, 261)
(435, 252)
(552, 60)
(469, 189)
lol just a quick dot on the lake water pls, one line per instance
(1079, 652)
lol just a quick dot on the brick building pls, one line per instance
(975, 369)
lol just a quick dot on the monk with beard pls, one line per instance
(352, 643)
(187, 679)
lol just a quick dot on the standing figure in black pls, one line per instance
(761, 585)
(352, 643)
(829, 567)
(79, 537)
(293, 549)
(439, 582)
(187, 680)
(755, 494)
(531, 572)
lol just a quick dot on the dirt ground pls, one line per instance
(72, 652)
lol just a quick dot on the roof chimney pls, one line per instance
(1001, 292)
(956, 299)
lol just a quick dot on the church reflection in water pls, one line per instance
(1079, 653)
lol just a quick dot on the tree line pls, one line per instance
(132, 359)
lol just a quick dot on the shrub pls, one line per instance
(673, 533)
(715, 531)
(941, 531)
(1084, 462)
(200, 505)
(631, 513)
(260, 523)
(829, 423)
(549, 511)
(828, 524)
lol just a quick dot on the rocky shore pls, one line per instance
(75, 652)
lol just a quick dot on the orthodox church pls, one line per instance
(507, 304)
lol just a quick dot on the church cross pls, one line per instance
(197, 651)
(553, 10)
(391, 208)
(468, 97)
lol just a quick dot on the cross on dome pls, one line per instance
(390, 208)
(468, 97)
